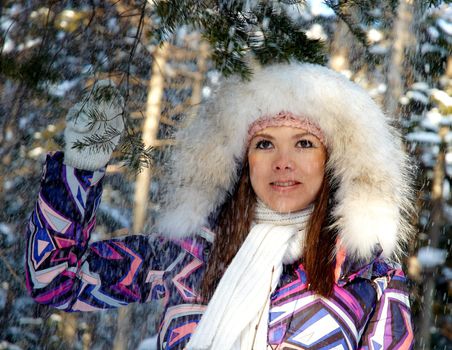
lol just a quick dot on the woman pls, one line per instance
(306, 186)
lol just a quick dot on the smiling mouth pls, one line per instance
(284, 183)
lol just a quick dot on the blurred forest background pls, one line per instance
(165, 57)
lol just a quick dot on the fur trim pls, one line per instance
(365, 154)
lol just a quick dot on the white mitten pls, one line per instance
(98, 116)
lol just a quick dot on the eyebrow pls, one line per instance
(296, 136)
(267, 136)
(302, 135)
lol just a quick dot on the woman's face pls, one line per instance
(286, 167)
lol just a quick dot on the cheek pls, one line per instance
(318, 173)
(314, 166)
(254, 170)
(318, 170)
(257, 172)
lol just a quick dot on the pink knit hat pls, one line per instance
(286, 119)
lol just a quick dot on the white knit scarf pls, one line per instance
(236, 317)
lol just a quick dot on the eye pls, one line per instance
(264, 144)
(305, 143)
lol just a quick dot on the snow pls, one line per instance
(381, 88)
(51, 128)
(448, 138)
(446, 189)
(115, 213)
(4, 345)
(56, 318)
(9, 235)
(148, 344)
(447, 120)
(214, 76)
(316, 32)
(378, 49)
(206, 92)
(36, 152)
(43, 114)
(14, 10)
(420, 85)
(428, 160)
(375, 12)
(3, 294)
(404, 100)
(429, 125)
(318, 8)
(433, 32)
(447, 212)
(30, 320)
(5, 229)
(7, 185)
(112, 25)
(418, 96)
(430, 257)
(449, 158)
(249, 4)
(427, 47)
(423, 137)
(442, 97)
(447, 272)
(445, 26)
(29, 44)
(374, 35)
(6, 24)
(258, 38)
(298, 11)
(60, 90)
(434, 116)
(86, 69)
(8, 45)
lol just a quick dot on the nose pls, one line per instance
(283, 162)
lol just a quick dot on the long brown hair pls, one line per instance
(319, 259)
(234, 223)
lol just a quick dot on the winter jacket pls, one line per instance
(369, 308)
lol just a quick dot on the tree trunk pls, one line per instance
(339, 59)
(68, 327)
(150, 131)
(437, 222)
(395, 72)
(196, 95)
(143, 180)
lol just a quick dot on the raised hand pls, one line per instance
(93, 127)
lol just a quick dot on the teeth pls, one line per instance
(284, 184)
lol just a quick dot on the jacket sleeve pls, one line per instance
(65, 271)
(390, 325)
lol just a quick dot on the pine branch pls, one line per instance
(228, 35)
(106, 94)
(99, 142)
(135, 154)
(96, 96)
(31, 72)
(280, 42)
(342, 10)
(237, 30)
(435, 3)
(136, 40)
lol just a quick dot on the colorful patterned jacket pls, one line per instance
(369, 308)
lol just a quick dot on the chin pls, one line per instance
(287, 208)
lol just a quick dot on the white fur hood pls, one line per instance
(366, 155)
